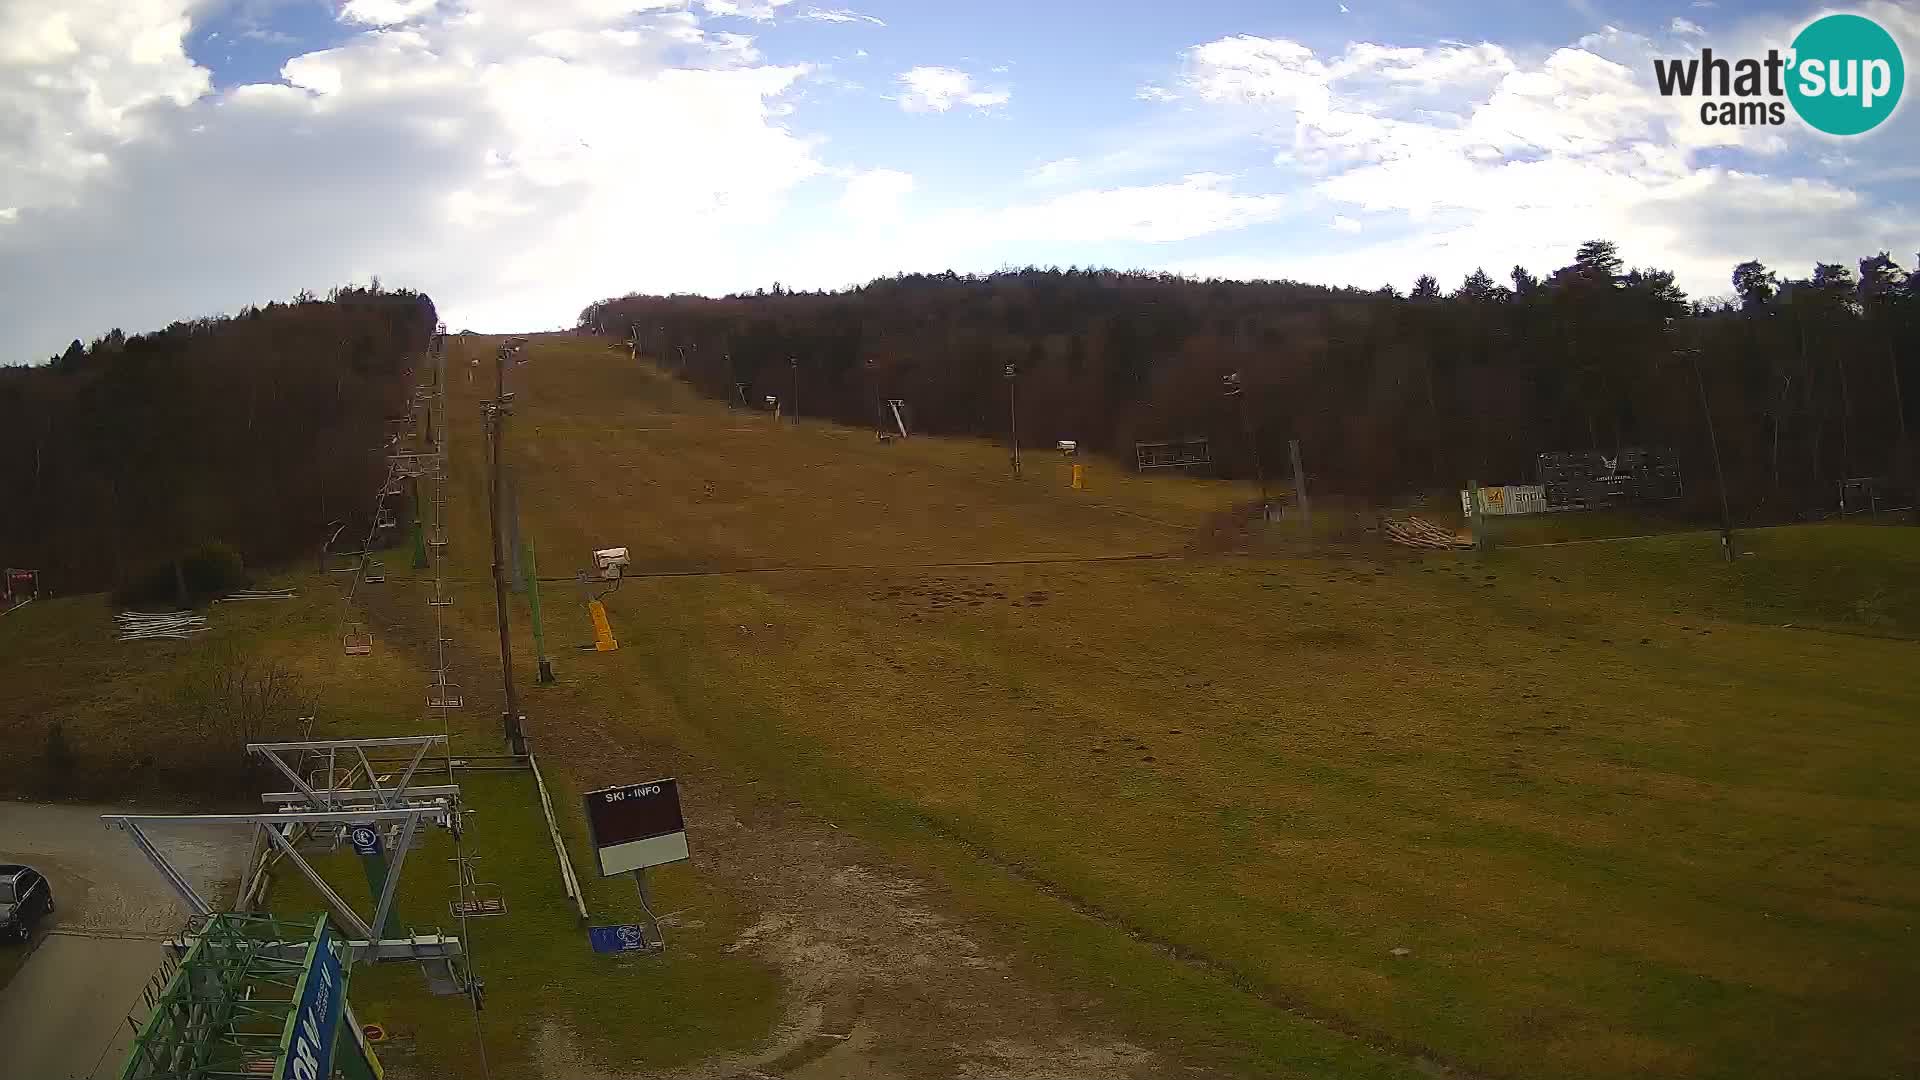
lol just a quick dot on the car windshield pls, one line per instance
(6, 892)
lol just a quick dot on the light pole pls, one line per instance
(1012, 373)
(1230, 382)
(793, 362)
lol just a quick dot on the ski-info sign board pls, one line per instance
(636, 826)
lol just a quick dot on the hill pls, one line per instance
(1006, 777)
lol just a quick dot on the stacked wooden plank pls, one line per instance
(1418, 532)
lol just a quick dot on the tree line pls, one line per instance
(254, 431)
(1809, 379)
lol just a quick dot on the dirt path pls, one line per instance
(882, 981)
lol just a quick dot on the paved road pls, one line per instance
(65, 995)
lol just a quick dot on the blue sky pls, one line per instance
(163, 159)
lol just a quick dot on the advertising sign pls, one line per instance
(310, 1028)
(627, 937)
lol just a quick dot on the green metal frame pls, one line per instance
(226, 1011)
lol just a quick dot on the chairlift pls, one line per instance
(475, 899)
(357, 641)
(375, 573)
(439, 598)
(445, 695)
(384, 519)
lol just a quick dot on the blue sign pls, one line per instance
(628, 937)
(316, 1015)
(366, 839)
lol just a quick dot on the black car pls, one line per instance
(25, 896)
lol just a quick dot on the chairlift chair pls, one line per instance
(375, 573)
(475, 899)
(357, 641)
(445, 695)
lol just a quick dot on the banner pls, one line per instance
(308, 1041)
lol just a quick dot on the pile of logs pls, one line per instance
(1418, 532)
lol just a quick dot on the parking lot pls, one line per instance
(66, 993)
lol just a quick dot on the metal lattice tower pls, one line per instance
(226, 1009)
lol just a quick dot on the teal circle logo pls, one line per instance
(1847, 74)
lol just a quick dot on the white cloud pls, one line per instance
(1055, 172)
(875, 196)
(839, 15)
(1198, 205)
(757, 10)
(1479, 156)
(78, 80)
(1151, 92)
(937, 89)
(1055, 229)
(515, 160)
(1686, 28)
(384, 12)
(1345, 224)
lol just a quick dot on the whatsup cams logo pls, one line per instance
(1843, 75)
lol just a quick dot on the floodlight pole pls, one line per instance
(496, 423)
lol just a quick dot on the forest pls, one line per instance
(1807, 380)
(253, 432)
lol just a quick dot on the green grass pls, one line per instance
(653, 1011)
(1858, 578)
(1623, 822)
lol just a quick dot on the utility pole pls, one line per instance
(1231, 382)
(1692, 354)
(496, 414)
(1713, 440)
(1012, 373)
(794, 363)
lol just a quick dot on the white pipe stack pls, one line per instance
(142, 626)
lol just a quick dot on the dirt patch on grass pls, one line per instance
(880, 981)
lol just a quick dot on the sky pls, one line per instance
(519, 159)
